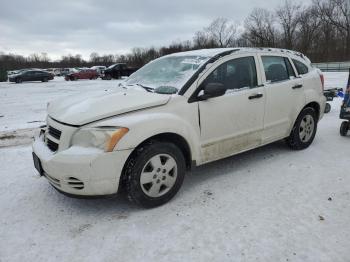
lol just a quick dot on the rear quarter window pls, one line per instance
(301, 67)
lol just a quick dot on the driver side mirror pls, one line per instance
(212, 90)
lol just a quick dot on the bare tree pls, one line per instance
(337, 13)
(94, 57)
(260, 28)
(220, 33)
(202, 39)
(223, 32)
(289, 17)
(309, 25)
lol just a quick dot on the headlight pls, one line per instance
(105, 138)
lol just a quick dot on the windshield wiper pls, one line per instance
(147, 88)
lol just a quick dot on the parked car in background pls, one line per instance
(179, 111)
(50, 70)
(65, 71)
(82, 74)
(99, 69)
(31, 75)
(13, 72)
(117, 71)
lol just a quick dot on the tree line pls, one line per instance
(321, 30)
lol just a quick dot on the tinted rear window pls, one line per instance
(277, 68)
(301, 67)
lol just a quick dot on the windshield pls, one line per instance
(171, 71)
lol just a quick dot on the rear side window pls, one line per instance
(301, 67)
(235, 74)
(277, 68)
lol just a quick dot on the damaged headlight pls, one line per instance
(105, 138)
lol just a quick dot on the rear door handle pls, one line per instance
(255, 96)
(297, 86)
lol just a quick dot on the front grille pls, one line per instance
(75, 183)
(54, 132)
(52, 145)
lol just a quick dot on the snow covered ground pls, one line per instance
(269, 204)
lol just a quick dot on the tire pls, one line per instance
(304, 130)
(327, 108)
(344, 128)
(18, 80)
(148, 182)
(108, 77)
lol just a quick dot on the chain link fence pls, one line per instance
(333, 66)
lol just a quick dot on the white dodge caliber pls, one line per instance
(178, 111)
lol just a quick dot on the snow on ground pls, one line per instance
(24, 105)
(269, 204)
(336, 79)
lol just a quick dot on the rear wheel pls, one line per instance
(327, 108)
(344, 128)
(154, 174)
(304, 130)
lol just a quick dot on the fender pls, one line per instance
(151, 122)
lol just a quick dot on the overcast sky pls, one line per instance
(61, 27)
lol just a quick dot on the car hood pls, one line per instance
(83, 109)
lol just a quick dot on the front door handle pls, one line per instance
(255, 96)
(297, 86)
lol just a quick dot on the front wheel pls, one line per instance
(304, 130)
(328, 108)
(18, 80)
(154, 174)
(344, 128)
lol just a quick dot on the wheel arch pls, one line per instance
(174, 138)
(314, 105)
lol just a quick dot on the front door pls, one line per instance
(232, 123)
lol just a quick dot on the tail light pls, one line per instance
(322, 81)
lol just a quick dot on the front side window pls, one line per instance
(301, 68)
(277, 68)
(29, 73)
(235, 74)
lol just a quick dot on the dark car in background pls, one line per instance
(117, 71)
(31, 75)
(82, 74)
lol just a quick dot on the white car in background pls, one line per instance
(99, 69)
(178, 111)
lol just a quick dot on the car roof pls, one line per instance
(204, 52)
(220, 51)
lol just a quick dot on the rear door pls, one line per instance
(38, 76)
(84, 74)
(234, 122)
(28, 76)
(284, 96)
